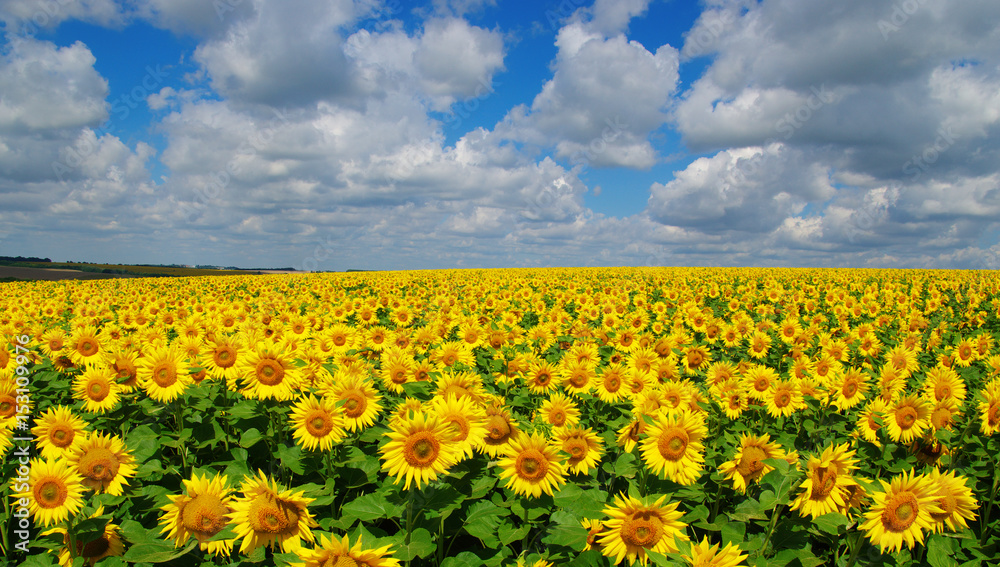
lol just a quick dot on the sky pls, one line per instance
(368, 134)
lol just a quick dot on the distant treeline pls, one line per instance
(23, 259)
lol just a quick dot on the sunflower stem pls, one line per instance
(715, 505)
(71, 535)
(409, 519)
(770, 529)
(524, 540)
(854, 544)
(179, 422)
(988, 511)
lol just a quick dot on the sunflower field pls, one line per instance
(582, 417)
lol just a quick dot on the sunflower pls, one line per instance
(317, 423)
(870, 421)
(577, 376)
(942, 383)
(124, 363)
(84, 346)
(419, 449)
(104, 463)
(97, 388)
(955, 499)
(673, 447)
(455, 352)
(784, 399)
(59, 432)
(989, 408)
(637, 526)
(907, 418)
(902, 511)
(611, 382)
(594, 529)
(466, 419)
(828, 482)
(902, 359)
(108, 545)
(266, 514)
(759, 379)
(164, 373)
(759, 345)
(705, 554)
(559, 411)
(965, 353)
(583, 446)
(461, 384)
(397, 369)
(53, 342)
(221, 359)
(268, 371)
(695, 358)
(501, 429)
(54, 491)
(358, 400)
(331, 552)
(201, 512)
(850, 388)
(631, 433)
(531, 466)
(746, 466)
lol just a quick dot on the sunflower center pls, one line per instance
(906, 417)
(948, 504)
(459, 425)
(900, 512)
(576, 447)
(94, 549)
(543, 379)
(99, 464)
(850, 389)
(449, 359)
(750, 465)
(642, 530)
(578, 379)
(55, 344)
(87, 347)
(97, 390)
(531, 465)
(319, 424)
(612, 383)
(421, 449)
(165, 375)
(498, 430)
(557, 417)
(782, 399)
(225, 356)
(50, 493)
(354, 404)
(994, 415)
(761, 384)
(673, 443)
(340, 561)
(205, 515)
(271, 516)
(824, 481)
(61, 435)
(270, 372)
(339, 340)
(942, 391)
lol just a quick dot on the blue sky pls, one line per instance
(336, 134)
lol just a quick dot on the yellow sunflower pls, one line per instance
(85, 346)
(531, 466)
(358, 400)
(164, 373)
(466, 419)
(672, 446)
(397, 369)
(849, 388)
(266, 514)
(58, 432)
(221, 359)
(746, 466)
(611, 382)
(870, 421)
(828, 482)
(54, 491)
(201, 512)
(583, 446)
(104, 463)
(989, 409)
(331, 552)
(268, 371)
(577, 376)
(637, 526)
(500, 430)
(955, 500)
(901, 512)
(419, 449)
(907, 418)
(124, 364)
(704, 554)
(108, 545)
(97, 388)
(559, 410)
(783, 399)
(317, 423)
(942, 383)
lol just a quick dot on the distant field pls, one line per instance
(67, 270)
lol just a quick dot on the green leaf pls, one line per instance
(244, 409)
(159, 552)
(421, 545)
(508, 534)
(90, 529)
(482, 521)
(832, 523)
(464, 559)
(367, 508)
(939, 552)
(733, 532)
(291, 458)
(565, 530)
(625, 466)
(250, 437)
(582, 503)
